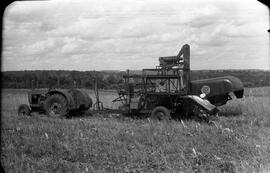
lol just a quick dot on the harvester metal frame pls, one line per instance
(141, 95)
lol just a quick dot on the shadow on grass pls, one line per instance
(120, 116)
(116, 114)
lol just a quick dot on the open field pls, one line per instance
(238, 141)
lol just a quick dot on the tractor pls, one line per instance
(167, 91)
(56, 102)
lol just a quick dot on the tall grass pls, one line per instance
(237, 142)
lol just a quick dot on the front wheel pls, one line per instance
(161, 113)
(23, 110)
(56, 106)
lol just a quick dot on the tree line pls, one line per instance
(59, 79)
(110, 79)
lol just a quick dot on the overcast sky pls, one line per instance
(132, 34)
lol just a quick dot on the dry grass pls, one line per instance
(237, 142)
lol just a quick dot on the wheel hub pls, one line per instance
(23, 112)
(160, 115)
(55, 109)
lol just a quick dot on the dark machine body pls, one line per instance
(219, 89)
(56, 102)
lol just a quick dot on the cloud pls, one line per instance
(256, 28)
(40, 47)
(125, 34)
(70, 48)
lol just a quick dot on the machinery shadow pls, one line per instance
(121, 116)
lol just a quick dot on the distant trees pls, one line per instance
(109, 80)
(58, 79)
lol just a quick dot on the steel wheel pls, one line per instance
(161, 113)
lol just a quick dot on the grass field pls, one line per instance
(238, 141)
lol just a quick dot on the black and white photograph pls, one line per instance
(135, 86)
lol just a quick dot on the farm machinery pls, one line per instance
(167, 90)
(163, 92)
(56, 102)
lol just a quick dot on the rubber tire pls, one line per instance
(56, 102)
(161, 113)
(23, 110)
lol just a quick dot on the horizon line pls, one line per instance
(141, 70)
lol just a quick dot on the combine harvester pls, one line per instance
(167, 90)
(163, 92)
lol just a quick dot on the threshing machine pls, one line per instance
(167, 90)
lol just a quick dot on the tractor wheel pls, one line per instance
(24, 110)
(56, 106)
(161, 113)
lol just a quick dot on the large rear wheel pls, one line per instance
(56, 106)
(161, 113)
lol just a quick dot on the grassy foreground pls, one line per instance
(238, 141)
